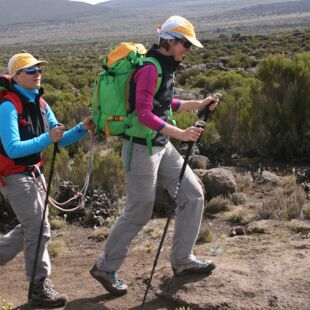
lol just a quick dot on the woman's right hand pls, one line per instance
(57, 133)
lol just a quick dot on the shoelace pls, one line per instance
(200, 263)
(48, 288)
(116, 280)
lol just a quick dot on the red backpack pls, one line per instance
(7, 165)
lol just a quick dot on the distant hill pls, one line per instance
(29, 11)
(54, 21)
(23, 11)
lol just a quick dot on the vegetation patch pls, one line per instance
(285, 204)
(306, 211)
(205, 235)
(299, 227)
(55, 248)
(238, 216)
(57, 223)
(217, 204)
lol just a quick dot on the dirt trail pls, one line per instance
(265, 271)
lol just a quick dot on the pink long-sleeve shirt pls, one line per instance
(146, 79)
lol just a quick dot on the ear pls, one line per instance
(171, 42)
(16, 78)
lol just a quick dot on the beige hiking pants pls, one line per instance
(164, 168)
(27, 202)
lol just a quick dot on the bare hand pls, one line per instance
(191, 134)
(210, 102)
(88, 123)
(56, 133)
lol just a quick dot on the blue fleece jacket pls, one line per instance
(9, 133)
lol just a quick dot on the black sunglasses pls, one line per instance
(33, 70)
(185, 43)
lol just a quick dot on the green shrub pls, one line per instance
(108, 173)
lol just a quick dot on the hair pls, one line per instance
(164, 43)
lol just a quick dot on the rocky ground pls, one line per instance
(261, 263)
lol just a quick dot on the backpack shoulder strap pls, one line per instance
(42, 103)
(7, 94)
(12, 97)
(156, 63)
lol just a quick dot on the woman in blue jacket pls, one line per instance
(23, 138)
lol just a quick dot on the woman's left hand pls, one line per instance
(88, 123)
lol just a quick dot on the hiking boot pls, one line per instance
(109, 280)
(195, 266)
(42, 294)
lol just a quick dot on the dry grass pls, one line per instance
(286, 204)
(256, 228)
(244, 182)
(205, 235)
(217, 204)
(6, 305)
(238, 198)
(55, 248)
(57, 223)
(306, 211)
(99, 235)
(150, 247)
(299, 227)
(238, 216)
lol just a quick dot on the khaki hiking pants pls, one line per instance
(27, 202)
(163, 168)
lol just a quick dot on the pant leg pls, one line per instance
(11, 244)
(27, 202)
(190, 204)
(141, 188)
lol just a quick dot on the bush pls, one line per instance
(281, 107)
(286, 204)
(108, 173)
(306, 211)
(217, 204)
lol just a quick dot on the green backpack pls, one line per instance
(111, 91)
(110, 94)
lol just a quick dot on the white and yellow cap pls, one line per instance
(22, 61)
(176, 27)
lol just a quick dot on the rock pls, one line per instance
(198, 162)
(219, 181)
(200, 173)
(163, 202)
(237, 231)
(269, 177)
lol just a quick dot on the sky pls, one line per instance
(91, 1)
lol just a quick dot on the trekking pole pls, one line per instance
(50, 177)
(205, 113)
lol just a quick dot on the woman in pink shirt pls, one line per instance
(176, 36)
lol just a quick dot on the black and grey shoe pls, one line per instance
(109, 281)
(194, 266)
(42, 294)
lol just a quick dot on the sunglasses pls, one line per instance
(33, 70)
(185, 43)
